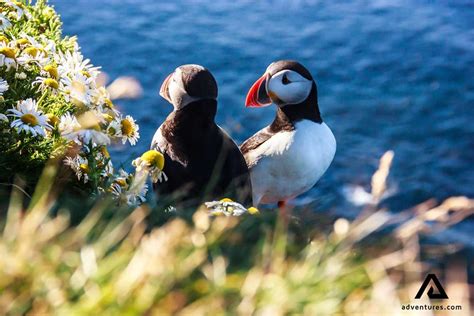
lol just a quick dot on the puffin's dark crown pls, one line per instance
(198, 82)
(289, 65)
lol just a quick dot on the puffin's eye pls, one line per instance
(285, 80)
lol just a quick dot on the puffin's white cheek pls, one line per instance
(174, 92)
(293, 93)
(300, 91)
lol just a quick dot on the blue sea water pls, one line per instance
(391, 75)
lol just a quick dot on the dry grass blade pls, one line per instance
(379, 179)
(450, 212)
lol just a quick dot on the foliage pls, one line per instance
(114, 263)
(123, 261)
(52, 108)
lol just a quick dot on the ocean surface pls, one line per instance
(391, 76)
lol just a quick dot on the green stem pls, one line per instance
(94, 177)
(42, 98)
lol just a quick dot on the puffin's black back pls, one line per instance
(201, 161)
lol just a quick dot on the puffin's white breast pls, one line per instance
(291, 162)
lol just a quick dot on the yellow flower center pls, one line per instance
(32, 51)
(111, 131)
(109, 118)
(3, 39)
(50, 82)
(105, 152)
(121, 182)
(109, 103)
(8, 52)
(29, 119)
(22, 41)
(253, 210)
(226, 200)
(153, 158)
(84, 167)
(127, 128)
(53, 120)
(52, 70)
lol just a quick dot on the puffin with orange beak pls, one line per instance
(201, 161)
(290, 155)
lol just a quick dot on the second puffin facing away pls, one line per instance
(201, 160)
(289, 156)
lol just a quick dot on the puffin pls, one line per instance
(289, 156)
(202, 162)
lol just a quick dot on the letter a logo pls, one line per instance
(441, 293)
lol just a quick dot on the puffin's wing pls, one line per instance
(236, 173)
(174, 169)
(249, 146)
(256, 140)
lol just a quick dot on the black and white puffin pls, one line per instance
(201, 161)
(290, 155)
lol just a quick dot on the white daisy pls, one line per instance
(137, 196)
(74, 63)
(71, 129)
(122, 196)
(93, 136)
(228, 207)
(51, 71)
(68, 125)
(78, 89)
(80, 166)
(125, 128)
(108, 170)
(19, 9)
(122, 190)
(117, 191)
(31, 41)
(123, 179)
(34, 51)
(46, 84)
(29, 118)
(151, 162)
(32, 55)
(101, 99)
(21, 42)
(3, 117)
(3, 86)
(102, 157)
(7, 55)
(4, 22)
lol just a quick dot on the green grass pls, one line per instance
(71, 250)
(121, 261)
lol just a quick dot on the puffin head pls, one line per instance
(284, 82)
(188, 83)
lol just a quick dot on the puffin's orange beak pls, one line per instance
(257, 95)
(164, 92)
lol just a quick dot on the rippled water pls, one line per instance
(390, 76)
